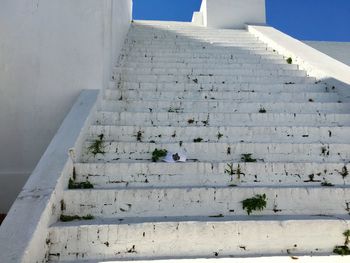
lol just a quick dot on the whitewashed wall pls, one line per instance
(49, 52)
(337, 50)
(232, 13)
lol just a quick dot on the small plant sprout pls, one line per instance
(219, 135)
(344, 171)
(324, 151)
(97, 147)
(256, 203)
(230, 171)
(289, 60)
(247, 158)
(139, 136)
(343, 250)
(262, 110)
(158, 154)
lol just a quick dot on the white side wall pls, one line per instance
(338, 50)
(234, 13)
(24, 235)
(49, 52)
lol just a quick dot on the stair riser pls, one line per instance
(190, 79)
(217, 119)
(205, 201)
(226, 96)
(204, 60)
(242, 87)
(269, 152)
(139, 175)
(222, 134)
(196, 239)
(209, 67)
(223, 106)
(192, 38)
(202, 72)
(198, 49)
(194, 54)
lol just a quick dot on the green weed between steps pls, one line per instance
(289, 60)
(81, 185)
(247, 158)
(65, 218)
(343, 250)
(230, 171)
(158, 154)
(256, 203)
(97, 147)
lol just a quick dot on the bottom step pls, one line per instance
(277, 259)
(177, 238)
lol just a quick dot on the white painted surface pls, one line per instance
(24, 233)
(49, 52)
(232, 13)
(337, 50)
(290, 259)
(197, 18)
(315, 62)
(175, 83)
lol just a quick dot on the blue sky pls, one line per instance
(327, 20)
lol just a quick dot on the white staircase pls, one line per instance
(176, 84)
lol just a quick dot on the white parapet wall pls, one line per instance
(230, 13)
(337, 50)
(49, 52)
(24, 235)
(316, 63)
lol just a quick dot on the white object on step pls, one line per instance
(175, 157)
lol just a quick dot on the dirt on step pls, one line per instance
(2, 217)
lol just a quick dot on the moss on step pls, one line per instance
(158, 154)
(256, 203)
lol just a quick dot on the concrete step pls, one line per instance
(205, 201)
(196, 39)
(219, 87)
(233, 46)
(191, 79)
(210, 174)
(197, 237)
(217, 119)
(224, 152)
(204, 48)
(187, 31)
(197, 67)
(233, 96)
(191, 37)
(208, 60)
(224, 107)
(175, 134)
(192, 53)
(208, 72)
